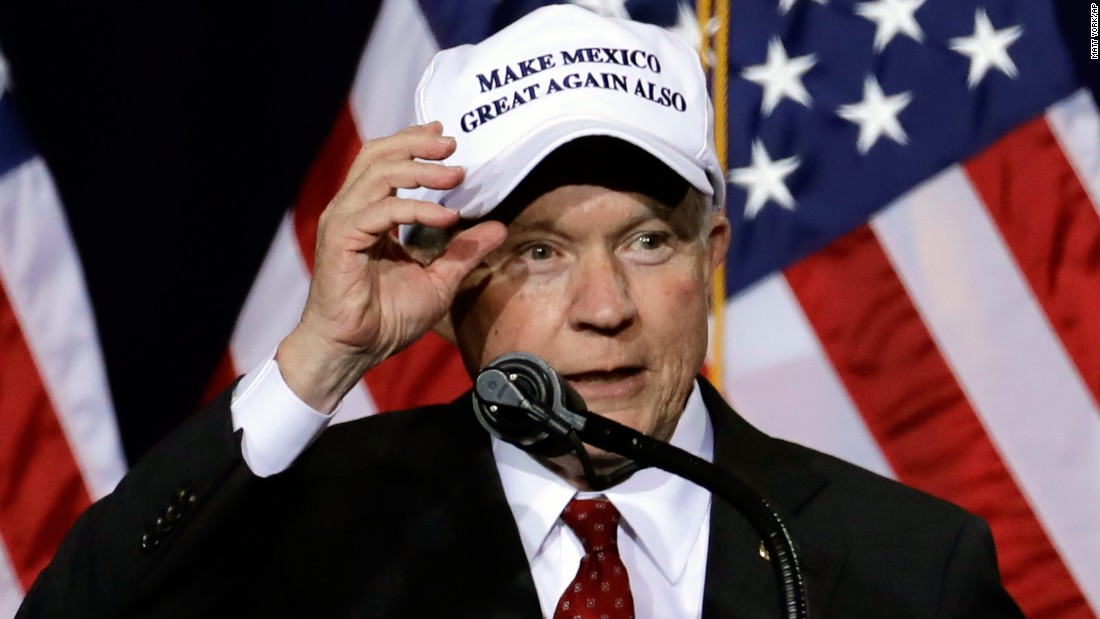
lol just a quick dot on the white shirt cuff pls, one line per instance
(277, 425)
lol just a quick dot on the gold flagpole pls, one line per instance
(716, 38)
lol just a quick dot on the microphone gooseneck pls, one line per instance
(520, 399)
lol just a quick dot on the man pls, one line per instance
(589, 194)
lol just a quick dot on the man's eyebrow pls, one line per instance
(536, 225)
(640, 219)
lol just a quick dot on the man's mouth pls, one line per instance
(602, 376)
(598, 384)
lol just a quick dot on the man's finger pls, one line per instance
(415, 142)
(383, 177)
(386, 214)
(463, 253)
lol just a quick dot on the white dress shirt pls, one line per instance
(277, 425)
(665, 519)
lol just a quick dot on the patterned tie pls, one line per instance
(601, 589)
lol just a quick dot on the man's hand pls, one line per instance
(369, 298)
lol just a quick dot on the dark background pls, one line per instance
(177, 134)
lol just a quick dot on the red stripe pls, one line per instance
(41, 488)
(1052, 229)
(428, 372)
(919, 415)
(324, 179)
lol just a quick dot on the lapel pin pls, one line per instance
(764, 554)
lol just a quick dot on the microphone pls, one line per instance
(520, 399)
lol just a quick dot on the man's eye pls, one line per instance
(539, 251)
(650, 241)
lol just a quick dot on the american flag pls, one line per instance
(59, 446)
(913, 284)
(916, 267)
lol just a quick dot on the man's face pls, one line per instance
(611, 288)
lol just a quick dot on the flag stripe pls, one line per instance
(324, 179)
(1076, 122)
(1052, 229)
(60, 447)
(428, 371)
(917, 411)
(42, 490)
(1024, 387)
(275, 303)
(45, 283)
(382, 95)
(779, 378)
(11, 592)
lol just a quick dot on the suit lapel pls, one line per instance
(739, 582)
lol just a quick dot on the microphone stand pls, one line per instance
(645, 450)
(520, 399)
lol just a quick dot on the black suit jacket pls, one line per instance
(403, 515)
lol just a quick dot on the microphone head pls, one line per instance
(517, 398)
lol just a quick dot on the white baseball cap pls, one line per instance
(557, 74)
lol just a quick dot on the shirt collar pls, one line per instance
(665, 512)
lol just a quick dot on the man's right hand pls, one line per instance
(369, 298)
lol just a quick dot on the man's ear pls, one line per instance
(445, 329)
(718, 243)
(718, 240)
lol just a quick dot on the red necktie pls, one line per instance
(601, 589)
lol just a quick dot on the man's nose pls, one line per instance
(600, 294)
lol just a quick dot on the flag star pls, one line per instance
(781, 76)
(892, 17)
(786, 5)
(876, 114)
(987, 48)
(687, 26)
(764, 180)
(607, 8)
